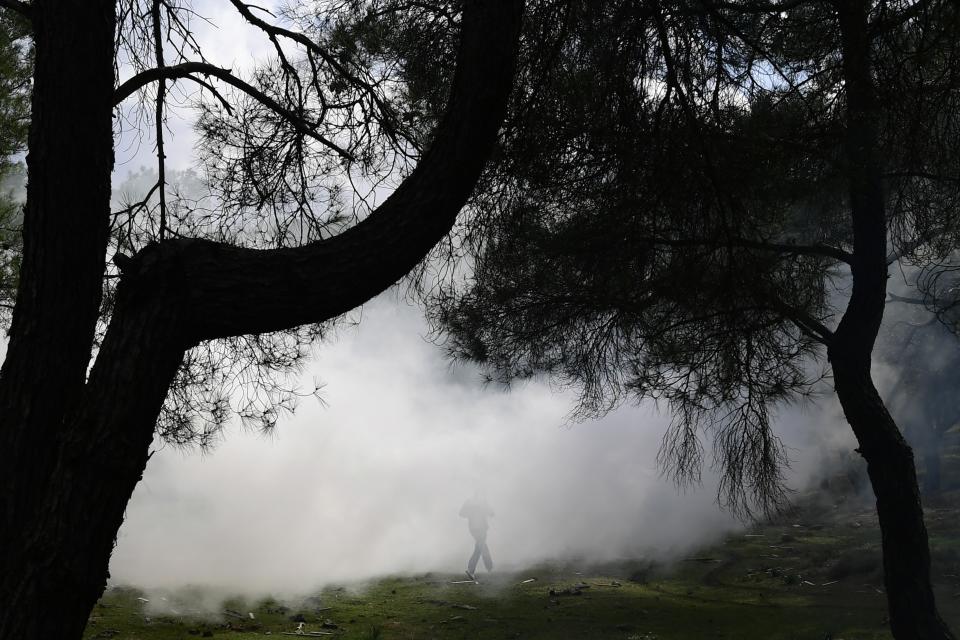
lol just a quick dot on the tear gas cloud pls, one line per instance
(372, 484)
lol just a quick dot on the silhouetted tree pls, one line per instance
(698, 200)
(86, 374)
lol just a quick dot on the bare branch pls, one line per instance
(161, 95)
(810, 326)
(274, 31)
(213, 91)
(186, 70)
(136, 205)
(911, 246)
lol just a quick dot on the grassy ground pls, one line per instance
(813, 574)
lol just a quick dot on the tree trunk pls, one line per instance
(890, 465)
(63, 550)
(42, 380)
(74, 445)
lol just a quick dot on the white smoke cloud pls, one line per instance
(372, 484)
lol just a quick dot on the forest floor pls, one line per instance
(813, 573)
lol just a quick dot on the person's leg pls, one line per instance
(472, 565)
(487, 560)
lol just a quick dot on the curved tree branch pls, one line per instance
(226, 290)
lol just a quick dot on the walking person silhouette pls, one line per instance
(477, 512)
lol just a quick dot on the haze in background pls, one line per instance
(372, 484)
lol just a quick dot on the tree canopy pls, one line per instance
(697, 202)
(668, 215)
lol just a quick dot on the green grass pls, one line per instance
(785, 582)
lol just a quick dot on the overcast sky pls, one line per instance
(372, 482)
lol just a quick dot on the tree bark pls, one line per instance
(73, 446)
(64, 241)
(890, 463)
(62, 549)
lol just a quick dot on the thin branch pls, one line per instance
(264, 9)
(136, 205)
(273, 31)
(673, 79)
(184, 71)
(885, 24)
(818, 250)
(910, 247)
(302, 39)
(213, 90)
(771, 59)
(810, 326)
(161, 94)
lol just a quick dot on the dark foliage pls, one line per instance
(668, 215)
(15, 69)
